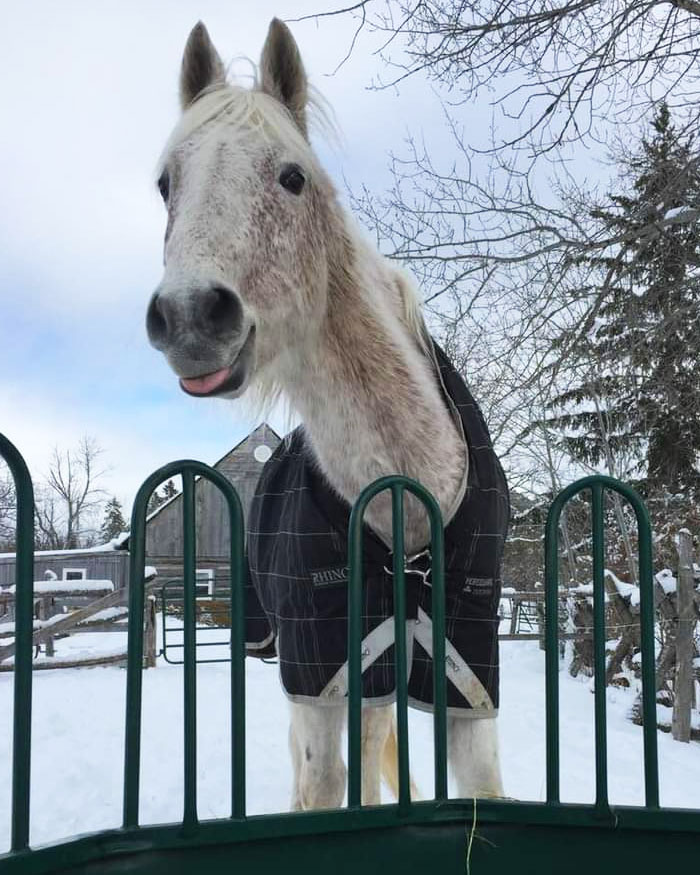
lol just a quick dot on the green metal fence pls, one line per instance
(172, 602)
(494, 836)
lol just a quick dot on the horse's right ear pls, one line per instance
(201, 66)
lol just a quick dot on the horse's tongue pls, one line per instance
(206, 384)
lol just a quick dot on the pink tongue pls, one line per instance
(207, 383)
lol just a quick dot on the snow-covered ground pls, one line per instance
(78, 729)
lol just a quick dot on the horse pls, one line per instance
(269, 288)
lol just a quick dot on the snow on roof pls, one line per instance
(109, 547)
(46, 587)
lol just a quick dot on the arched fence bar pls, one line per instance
(551, 836)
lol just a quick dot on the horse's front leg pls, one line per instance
(473, 755)
(376, 728)
(319, 771)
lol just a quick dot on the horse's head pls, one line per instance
(249, 210)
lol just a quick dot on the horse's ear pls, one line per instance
(201, 65)
(282, 73)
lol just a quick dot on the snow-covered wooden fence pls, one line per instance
(106, 613)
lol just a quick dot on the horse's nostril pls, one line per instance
(156, 323)
(222, 310)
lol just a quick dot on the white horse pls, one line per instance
(268, 285)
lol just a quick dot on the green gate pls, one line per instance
(172, 601)
(452, 835)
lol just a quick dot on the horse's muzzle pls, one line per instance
(206, 337)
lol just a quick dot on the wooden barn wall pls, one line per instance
(112, 566)
(164, 531)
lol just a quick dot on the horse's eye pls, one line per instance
(164, 185)
(292, 178)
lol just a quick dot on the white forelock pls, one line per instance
(244, 110)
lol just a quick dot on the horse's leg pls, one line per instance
(315, 735)
(376, 727)
(473, 754)
(295, 752)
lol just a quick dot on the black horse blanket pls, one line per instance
(297, 555)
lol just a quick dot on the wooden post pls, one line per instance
(514, 611)
(150, 633)
(44, 614)
(683, 679)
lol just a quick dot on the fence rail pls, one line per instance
(432, 816)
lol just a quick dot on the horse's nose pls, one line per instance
(213, 312)
(220, 310)
(159, 320)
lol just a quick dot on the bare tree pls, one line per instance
(8, 508)
(71, 496)
(557, 72)
(474, 226)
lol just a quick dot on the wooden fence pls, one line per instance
(106, 613)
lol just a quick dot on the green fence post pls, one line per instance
(189, 819)
(601, 747)
(598, 483)
(188, 469)
(396, 484)
(24, 616)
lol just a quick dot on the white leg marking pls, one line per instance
(295, 752)
(473, 753)
(376, 725)
(315, 734)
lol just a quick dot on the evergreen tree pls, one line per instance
(114, 523)
(158, 498)
(169, 490)
(154, 502)
(640, 393)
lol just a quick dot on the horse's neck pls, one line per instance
(371, 403)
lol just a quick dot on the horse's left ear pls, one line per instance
(282, 73)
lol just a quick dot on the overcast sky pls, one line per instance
(89, 96)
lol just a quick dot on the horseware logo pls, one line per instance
(329, 576)
(478, 585)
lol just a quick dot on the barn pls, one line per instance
(106, 562)
(241, 465)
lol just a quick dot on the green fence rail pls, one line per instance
(429, 830)
(598, 484)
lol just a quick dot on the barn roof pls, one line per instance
(263, 428)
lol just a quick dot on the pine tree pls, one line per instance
(640, 393)
(114, 523)
(169, 490)
(158, 498)
(154, 502)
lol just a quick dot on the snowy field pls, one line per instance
(78, 729)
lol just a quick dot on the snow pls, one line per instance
(46, 587)
(675, 212)
(36, 624)
(666, 580)
(109, 547)
(664, 717)
(106, 614)
(78, 732)
(627, 590)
